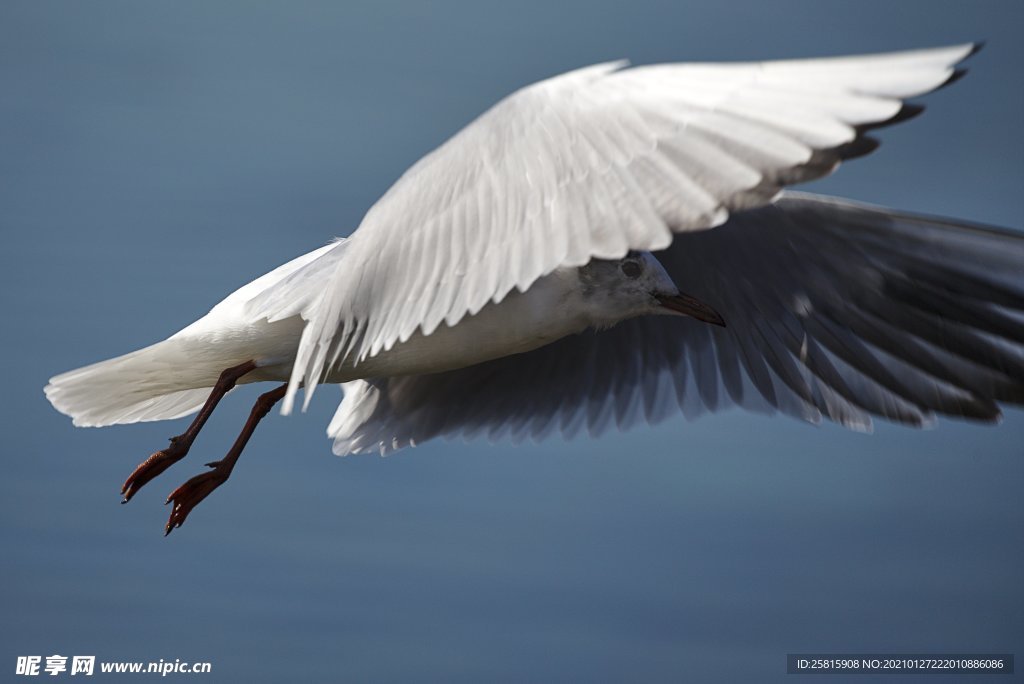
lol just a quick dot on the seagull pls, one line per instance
(608, 246)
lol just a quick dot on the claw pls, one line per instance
(153, 466)
(180, 444)
(187, 496)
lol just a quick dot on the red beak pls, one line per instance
(690, 306)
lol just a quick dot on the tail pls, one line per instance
(153, 383)
(172, 378)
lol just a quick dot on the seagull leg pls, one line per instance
(187, 496)
(165, 458)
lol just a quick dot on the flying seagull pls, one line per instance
(610, 245)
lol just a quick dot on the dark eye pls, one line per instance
(630, 269)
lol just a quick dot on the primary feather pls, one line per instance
(592, 164)
(835, 310)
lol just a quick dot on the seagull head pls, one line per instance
(637, 285)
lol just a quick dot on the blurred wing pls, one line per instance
(832, 309)
(594, 163)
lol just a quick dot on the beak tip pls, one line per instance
(692, 307)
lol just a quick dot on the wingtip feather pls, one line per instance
(953, 78)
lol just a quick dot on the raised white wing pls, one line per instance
(833, 309)
(594, 163)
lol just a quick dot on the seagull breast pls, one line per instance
(552, 308)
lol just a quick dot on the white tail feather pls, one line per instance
(159, 382)
(170, 379)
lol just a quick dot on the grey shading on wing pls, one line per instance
(591, 164)
(833, 309)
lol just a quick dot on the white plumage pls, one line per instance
(591, 164)
(453, 307)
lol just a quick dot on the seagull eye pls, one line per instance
(630, 269)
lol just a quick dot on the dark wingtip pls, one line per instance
(859, 147)
(953, 78)
(959, 73)
(907, 112)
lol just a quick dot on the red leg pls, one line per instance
(187, 496)
(164, 459)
